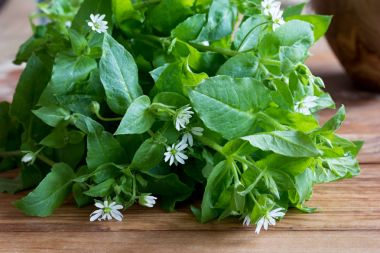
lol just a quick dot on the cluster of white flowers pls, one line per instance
(306, 105)
(176, 153)
(272, 9)
(97, 23)
(268, 219)
(109, 211)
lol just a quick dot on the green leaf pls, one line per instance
(178, 77)
(220, 21)
(11, 185)
(101, 190)
(149, 155)
(67, 71)
(293, 10)
(337, 168)
(168, 13)
(320, 23)
(335, 122)
(118, 72)
(124, 10)
(52, 115)
(219, 179)
(138, 118)
(241, 65)
(78, 192)
(190, 28)
(287, 143)
(250, 32)
(50, 193)
(219, 98)
(78, 42)
(304, 187)
(29, 88)
(102, 147)
(168, 188)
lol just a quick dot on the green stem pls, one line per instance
(242, 160)
(46, 160)
(150, 132)
(254, 199)
(134, 187)
(210, 144)
(223, 51)
(11, 153)
(235, 171)
(107, 119)
(146, 3)
(162, 107)
(270, 62)
(266, 118)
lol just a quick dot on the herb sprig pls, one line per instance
(125, 102)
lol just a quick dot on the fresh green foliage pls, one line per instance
(177, 98)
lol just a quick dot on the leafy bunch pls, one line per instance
(178, 99)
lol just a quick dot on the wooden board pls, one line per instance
(348, 219)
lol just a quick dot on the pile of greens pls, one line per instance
(95, 114)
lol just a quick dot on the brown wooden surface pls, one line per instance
(348, 219)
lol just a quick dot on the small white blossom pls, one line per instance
(97, 23)
(28, 158)
(268, 5)
(277, 19)
(269, 219)
(147, 200)
(306, 105)
(107, 211)
(183, 117)
(175, 154)
(188, 136)
(247, 221)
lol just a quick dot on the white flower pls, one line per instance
(188, 136)
(97, 23)
(28, 158)
(107, 211)
(183, 117)
(247, 221)
(175, 154)
(147, 200)
(306, 105)
(277, 19)
(269, 219)
(268, 5)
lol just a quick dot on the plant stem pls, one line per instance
(10, 153)
(46, 160)
(107, 119)
(270, 62)
(266, 118)
(245, 161)
(210, 143)
(150, 132)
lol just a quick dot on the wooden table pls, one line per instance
(348, 219)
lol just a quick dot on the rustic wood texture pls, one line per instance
(348, 219)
